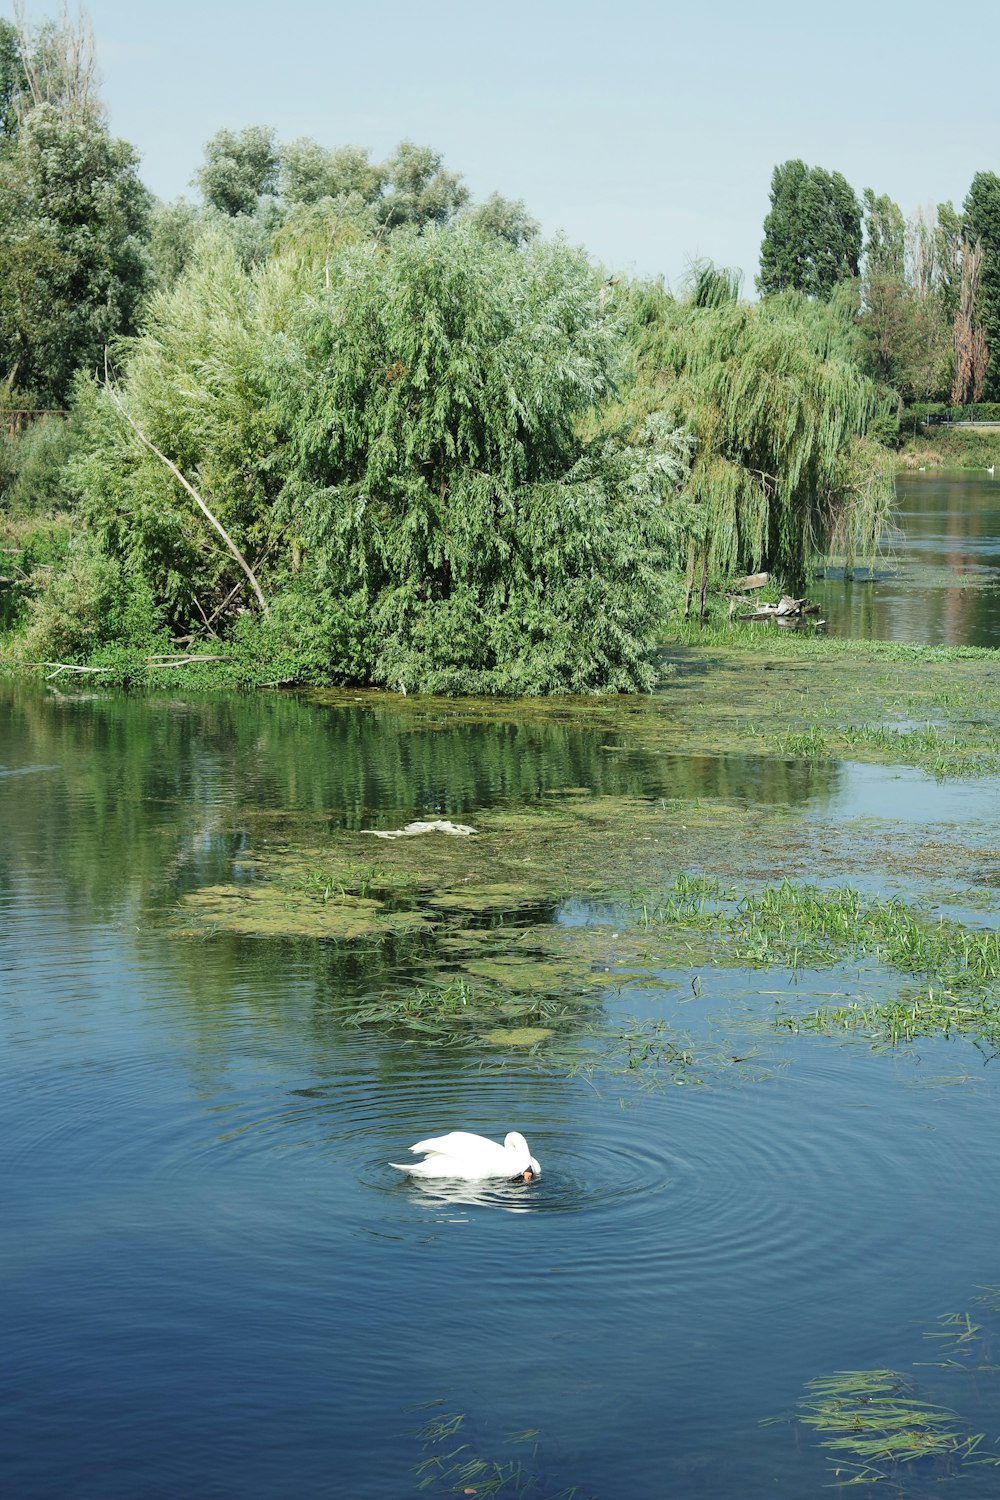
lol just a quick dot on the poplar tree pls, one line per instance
(812, 234)
(904, 334)
(982, 220)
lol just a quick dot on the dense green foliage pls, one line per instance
(914, 284)
(239, 169)
(338, 422)
(784, 465)
(398, 452)
(73, 217)
(73, 221)
(812, 234)
(958, 447)
(982, 411)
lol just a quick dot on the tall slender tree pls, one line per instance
(970, 365)
(982, 226)
(904, 332)
(812, 234)
(885, 236)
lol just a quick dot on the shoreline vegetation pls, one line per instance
(336, 424)
(942, 447)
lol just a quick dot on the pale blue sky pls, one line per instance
(645, 132)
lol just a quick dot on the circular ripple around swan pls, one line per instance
(774, 1177)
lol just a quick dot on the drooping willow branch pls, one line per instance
(213, 520)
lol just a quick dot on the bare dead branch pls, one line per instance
(155, 663)
(60, 62)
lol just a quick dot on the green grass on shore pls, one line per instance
(950, 448)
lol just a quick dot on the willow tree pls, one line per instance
(364, 460)
(194, 411)
(446, 500)
(786, 462)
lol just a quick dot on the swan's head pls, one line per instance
(514, 1142)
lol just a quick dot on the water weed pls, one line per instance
(457, 1468)
(872, 1421)
(807, 926)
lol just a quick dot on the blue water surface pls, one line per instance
(216, 1286)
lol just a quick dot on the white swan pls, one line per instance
(473, 1157)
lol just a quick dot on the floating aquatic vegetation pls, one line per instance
(347, 879)
(873, 1422)
(960, 752)
(484, 898)
(876, 1421)
(961, 1342)
(671, 788)
(807, 926)
(522, 974)
(807, 742)
(651, 1045)
(457, 1012)
(458, 1468)
(266, 911)
(517, 1036)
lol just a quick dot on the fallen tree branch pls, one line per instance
(155, 663)
(237, 554)
(64, 666)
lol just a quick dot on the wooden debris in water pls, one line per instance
(786, 609)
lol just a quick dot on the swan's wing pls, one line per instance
(456, 1143)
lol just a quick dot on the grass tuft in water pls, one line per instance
(461, 1470)
(807, 926)
(873, 1422)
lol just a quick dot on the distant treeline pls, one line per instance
(926, 289)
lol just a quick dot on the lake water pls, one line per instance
(940, 583)
(216, 1286)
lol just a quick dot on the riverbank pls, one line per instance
(945, 447)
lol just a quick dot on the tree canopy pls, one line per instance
(73, 228)
(336, 417)
(812, 234)
(786, 459)
(397, 447)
